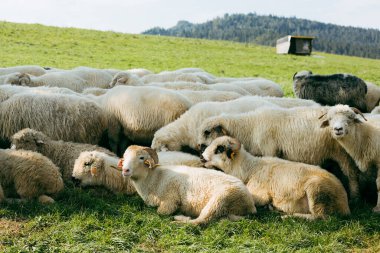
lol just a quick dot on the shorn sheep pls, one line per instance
(331, 89)
(299, 189)
(360, 139)
(292, 134)
(28, 174)
(196, 192)
(95, 168)
(62, 117)
(62, 153)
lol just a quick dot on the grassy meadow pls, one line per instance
(94, 220)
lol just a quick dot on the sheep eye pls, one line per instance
(219, 149)
(207, 133)
(141, 158)
(87, 163)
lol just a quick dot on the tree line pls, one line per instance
(265, 30)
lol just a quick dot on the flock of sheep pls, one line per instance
(134, 131)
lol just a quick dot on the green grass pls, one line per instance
(93, 220)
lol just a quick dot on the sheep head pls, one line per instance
(340, 119)
(221, 153)
(89, 168)
(138, 161)
(29, 139)
(123, 78)
(21, 79)
(210, 130)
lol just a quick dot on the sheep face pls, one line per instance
(210, 130)
(89, 169)
(28, 139)
(138, 161)
(21, 79)
(340, 119)
(221, 153)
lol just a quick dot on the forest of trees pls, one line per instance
(265, 30)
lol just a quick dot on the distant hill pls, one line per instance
(265, 30)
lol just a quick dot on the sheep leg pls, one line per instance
(167, 207)
(182, 218)
(307, 216)
(43, 199)
(233, 217)
(376, 209)
(348, 168)
(212, 210)
(2, 197)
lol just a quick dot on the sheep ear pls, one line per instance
(220, 130)
(94, 171)
(122, 80)
(120, 163)
(231, 154)
(325, 123)
(153, 160)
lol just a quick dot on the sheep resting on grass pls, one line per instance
(196, 192)
(29, 174)
(299, 189)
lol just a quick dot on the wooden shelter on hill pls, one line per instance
(300, 45)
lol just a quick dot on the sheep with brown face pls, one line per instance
(29, 175)
(297, 189)
(359, 138)
(196, 192)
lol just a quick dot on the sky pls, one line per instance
(136, 16)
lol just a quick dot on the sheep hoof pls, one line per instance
(233, 217)
(181, 218)
(376, 209)
(43, 199)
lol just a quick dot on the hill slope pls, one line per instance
(69, 47)
(265, 30)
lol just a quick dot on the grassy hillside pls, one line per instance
(67, 48)
(94, 220)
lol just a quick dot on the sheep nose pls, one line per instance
(203, 160)
(126, 170)
(338, 128)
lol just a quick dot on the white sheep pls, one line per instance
(372, 98)
(29, 69)
(15, 78)
(293, 134)
(196, 192)
(142, 110)
(76, 79)
(140, 72)
(29, 174)
(299, 189)
(208, 95)
(95, 168)
(184, 131)
(62, 153)
(360, 139)
(62, 117)
(260, 87)
(6, 91)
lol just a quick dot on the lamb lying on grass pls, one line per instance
(62, 153)
(299, 189)
(29, 174)
(94, 168)
(196, 192)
